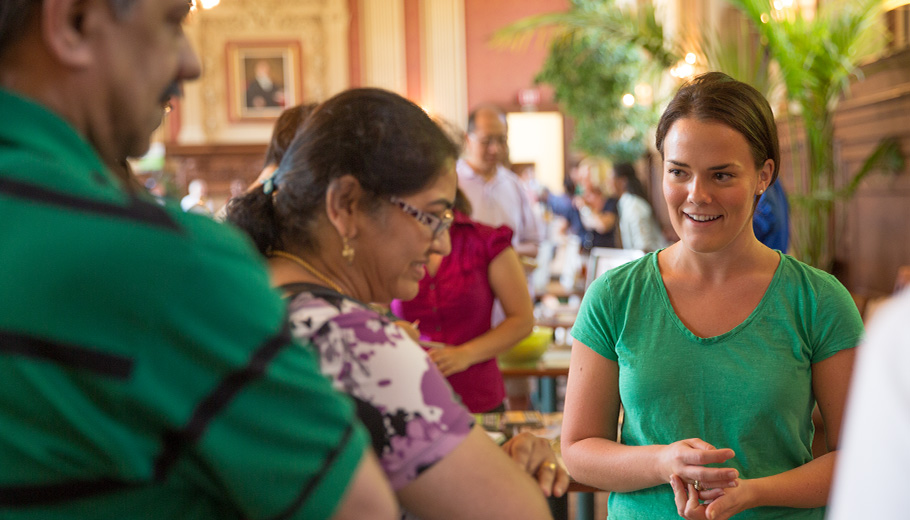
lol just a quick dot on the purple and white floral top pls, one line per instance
(414, 417)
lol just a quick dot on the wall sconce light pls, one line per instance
(205, 4)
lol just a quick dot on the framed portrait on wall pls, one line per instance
(264, 77)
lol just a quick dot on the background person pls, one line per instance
(455, 302)
(139, 345)
(359, 204)
(562, 205)
(717, 347)
(597, 204)
(494, 191)
(638, 226)
(286, 126)
(771, 220)
(196, 200)
(498, 198)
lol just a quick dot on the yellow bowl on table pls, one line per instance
(528, 351)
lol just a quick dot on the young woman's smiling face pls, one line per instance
(710, 183)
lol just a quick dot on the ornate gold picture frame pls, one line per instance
(264, 77)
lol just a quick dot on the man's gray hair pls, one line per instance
(16, 17)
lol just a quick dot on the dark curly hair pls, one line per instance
(389, 144)
(286, 127)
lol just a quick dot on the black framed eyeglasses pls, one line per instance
(437, 224)
(501, 140)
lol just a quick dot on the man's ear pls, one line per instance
(342, 203)
(67, 27)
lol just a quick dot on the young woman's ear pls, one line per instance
(342, 203)
(764, 176)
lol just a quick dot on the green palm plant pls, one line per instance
(599, 53)
(817, 58)
(600, 50)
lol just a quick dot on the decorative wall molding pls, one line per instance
(444, 64)
(383, 44)
(321, 27)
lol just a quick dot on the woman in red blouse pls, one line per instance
(455, 303)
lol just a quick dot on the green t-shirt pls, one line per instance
(146, 367)
(749, 389)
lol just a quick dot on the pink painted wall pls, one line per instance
(496, 75)
(354, 59)
(412, 48)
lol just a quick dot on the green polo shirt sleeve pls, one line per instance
(145, 364)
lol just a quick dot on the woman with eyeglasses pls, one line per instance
(455, 305)
(359, 203)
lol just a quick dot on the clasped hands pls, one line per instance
(720, 493)
(536, 457)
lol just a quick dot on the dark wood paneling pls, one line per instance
(875, 237)
(216, 164)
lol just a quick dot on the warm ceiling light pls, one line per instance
(205, 4)
(644, 94)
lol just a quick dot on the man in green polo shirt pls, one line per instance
(145, 366)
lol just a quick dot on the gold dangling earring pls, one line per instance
(347, 251)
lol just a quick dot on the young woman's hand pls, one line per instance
(710, 503)
(689, 458)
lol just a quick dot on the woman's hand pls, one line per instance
(410, 328)
(689, 459)
(535, 456)
(451, 360)
(711, 503)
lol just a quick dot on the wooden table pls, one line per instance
(546, 371)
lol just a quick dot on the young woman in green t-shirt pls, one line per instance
(717, 348)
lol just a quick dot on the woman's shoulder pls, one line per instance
(796, 270)
(310, 308)
(414, 418)
(482, 236)
(803, 282)
(465, 222)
